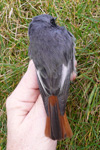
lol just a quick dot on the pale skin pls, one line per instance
(26, 116)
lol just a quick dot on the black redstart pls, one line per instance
(52, 50)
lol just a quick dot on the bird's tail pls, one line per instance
(57, 126)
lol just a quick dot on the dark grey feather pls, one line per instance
(55, 123)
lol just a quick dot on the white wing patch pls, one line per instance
(64, 74)
(42, 84)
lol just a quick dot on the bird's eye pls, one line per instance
(52, 21)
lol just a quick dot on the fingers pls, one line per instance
(30, 130)
(75, 63)
(73, 74)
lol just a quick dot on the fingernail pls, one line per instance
(75, 63)
(73, 76)
(30, 64)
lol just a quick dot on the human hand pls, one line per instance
(26, 116)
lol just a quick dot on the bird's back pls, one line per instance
(50, 47)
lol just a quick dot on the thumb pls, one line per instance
(27, 89)
(22, 99)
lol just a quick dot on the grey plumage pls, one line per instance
(52, 50)
(50, 47)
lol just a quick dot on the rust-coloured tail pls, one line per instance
(57, 126)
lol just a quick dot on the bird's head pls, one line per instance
(40, 21)
(45, 18)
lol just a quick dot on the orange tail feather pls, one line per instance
(57, 126)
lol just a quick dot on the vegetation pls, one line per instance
(82, 18)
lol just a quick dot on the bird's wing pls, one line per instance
(66, 72)
(43, 92)
(65, 84)
(49, 84)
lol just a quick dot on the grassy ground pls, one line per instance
(82, 19)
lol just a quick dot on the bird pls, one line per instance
(52, 49)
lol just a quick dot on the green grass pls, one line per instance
(82, 18)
